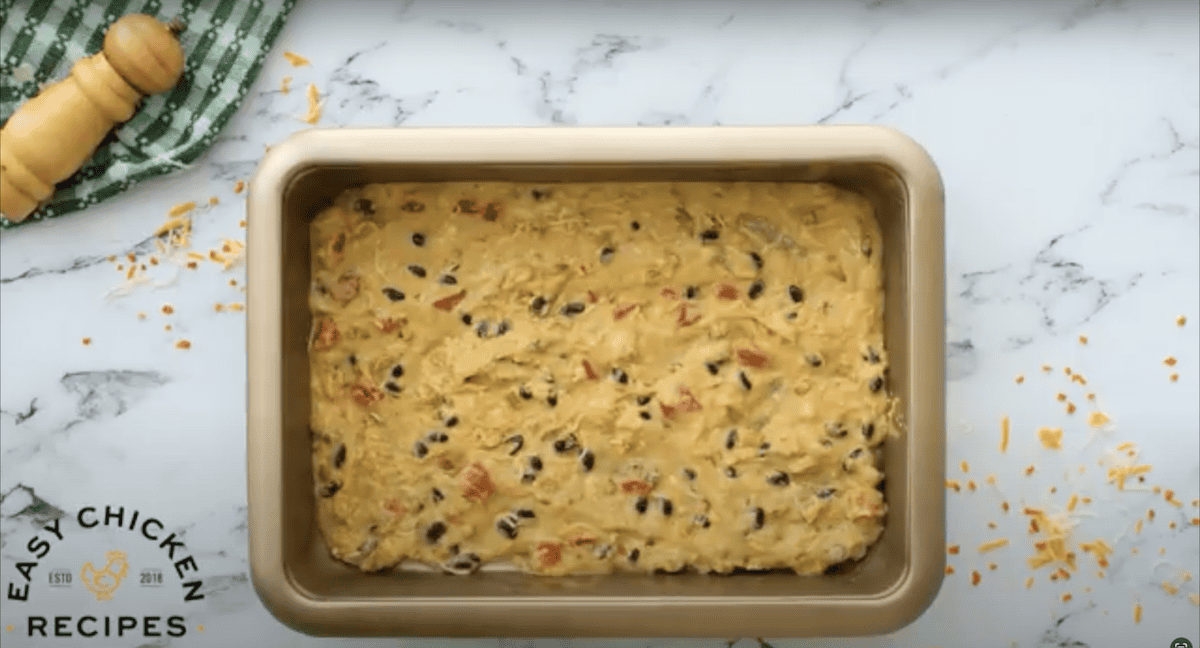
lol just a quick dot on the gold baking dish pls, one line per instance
(306, 589)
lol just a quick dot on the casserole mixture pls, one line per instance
(597, 377)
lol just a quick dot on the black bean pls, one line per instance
(490, 213)
(420, 450)
(731, 439)
(709, 235)
(528, 477)
(641, 504)
(866, 247)
(690, 292)
(535, 462)
(364, 206)
(413, 206)
(757, 259)
(437, 495)
(517, 442)
(435, 532)
(762, 449)
(813, 359)
(462, 565)
(876, 384)
(481, 329)
(702, 520)
(339, 456)
(868, 430)
(642, 400)
(667, 507)
(437, 436)
(552, 400)
(835, 429)
(855, 453)
(790, 316)
(755, 291)
(620, 376)
(796, 294)
(645, 415)
(452, 421)
(329, 489)
(826, 493)
(525, 513)
(712, 367)
(525, 393)
(417, 270)
(779, 478)
(635, 226)
(634, 555)
(538, 305)
(352, 359)
(689, 474)
(730, 471)
(448, 280)
(565, 444)
(418, 239)
(572, 309)
(601, 552)
(466, 319)
(745, 381)
(540, 194)
(397, 371)
(760, 517)
(872, 356)
(502, 328)
(588, 459)
(606, 254)
(392, 387)
(339, 244)
(506, 527)
(393, 294)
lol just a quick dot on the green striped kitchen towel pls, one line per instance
(225, 42)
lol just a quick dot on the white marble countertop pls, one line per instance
(1068, 138)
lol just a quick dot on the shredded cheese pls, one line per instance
(965, 466)
(1061, 397)
(183, 344)
(283, 85)
(1137, 613)
(1047, 368)
(1004, 430)
(1097, 419)
(1051, 438)
(951, 483)
(314, 105)
(1174, 377)
(1020, 379)
(214, 200)
(295, 59)
(1072, 502)
(991, 480)
(1029, 582)
(239, 186)
(1169, 495)
(181, 209)
(1170, 361)
(975, 577)
(1070, 407)
(1194, 598)
(1099, 548)
(1181, 321)
(949, 569)
(1119, 474)
(992, 545)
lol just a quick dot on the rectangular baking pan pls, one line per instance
(306, 589)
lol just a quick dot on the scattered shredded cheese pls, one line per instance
(971, 485)
(965, 466)
(1072, 502)
(141, 316)
(1047, 368)
(1061, 397)
(1070, 407)
(87, 341)
(1051, 438)
(238, 186)
(949, 569)
(1194, 598)
(1029, 470)
(1097, 419)
(295, 59)
(1029, 582)
(1079, 379)
(214, 200)
(992, 566)
(1083, 339)
(951, 483)
(991, 480)
(183, 344)
(1170, 361)
(1066, 597)
(1119, 474)
(1181, 321)
(167, 309)
(992, 545)
(1137, 528)
(314, 105)
(238, 307)
(952, 549)
(1098, 548)
(1169, 495)
(283, 85)
(1174, 377)
(1004, 429)
(1020, 379)
(975, 577)
(181, 209)
(1137, 613)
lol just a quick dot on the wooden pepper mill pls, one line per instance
(52, 135)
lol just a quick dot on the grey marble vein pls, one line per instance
(110, 393)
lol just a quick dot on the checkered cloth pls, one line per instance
(225, 42)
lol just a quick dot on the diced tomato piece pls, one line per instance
(668, 411)
(727, 291)
(752, 358)
(327, 335)
(635, 486)
(466, 206)
(593, 297)
(683, 320)
(388, 324)
(591, 373)
(448, 303)
(393, 508)
(549, 553)
(365, 394)
(621, 311)
(477, 483)
(669, 293)
(688, 403)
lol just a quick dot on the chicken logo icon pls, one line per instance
(105, 581)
